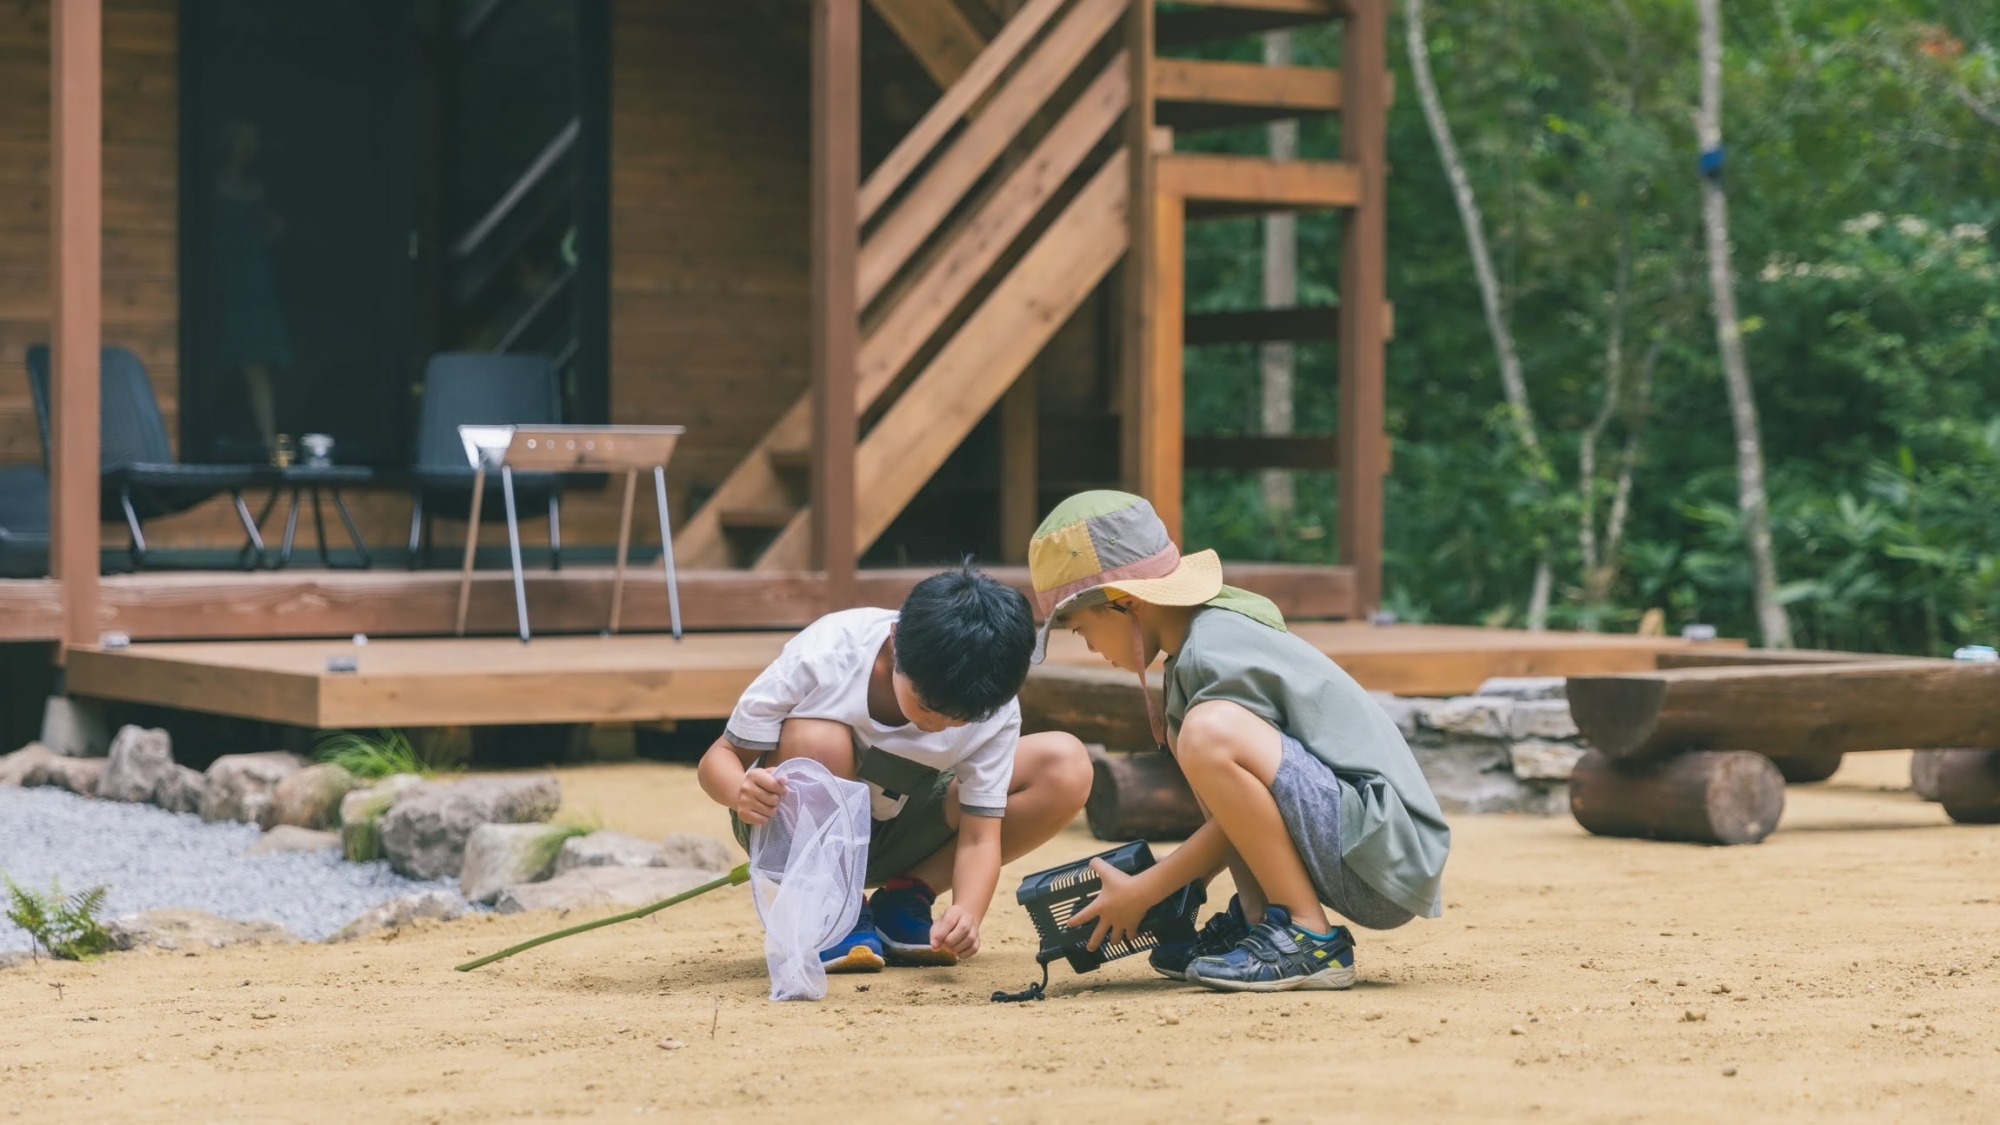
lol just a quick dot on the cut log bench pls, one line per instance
(1702, 753)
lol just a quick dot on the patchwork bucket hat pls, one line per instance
(1097, 545)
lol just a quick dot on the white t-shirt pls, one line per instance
(823, 674)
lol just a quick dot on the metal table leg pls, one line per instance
(291, 529)
(353, 532)
(514, 549)
(666, 550)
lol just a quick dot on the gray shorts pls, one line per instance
(1309, 794)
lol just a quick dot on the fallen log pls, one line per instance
(1791, 711)
(1100, 705)
(1968, 785)
(1724, 657)
(1706, 797)
(1139, 797)
(1924, 766)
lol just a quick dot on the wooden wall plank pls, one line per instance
(937, 33)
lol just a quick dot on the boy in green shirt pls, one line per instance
(1311, 795)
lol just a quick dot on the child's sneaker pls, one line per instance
(903, 923)
(1221, 933)
(859, 952)
(1280, 956)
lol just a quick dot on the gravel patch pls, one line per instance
(152, 859)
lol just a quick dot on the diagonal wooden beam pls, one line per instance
(937, 33)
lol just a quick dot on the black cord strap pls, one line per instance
(1032, 992)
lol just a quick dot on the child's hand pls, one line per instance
(957, 932)
(757, 800)
(1118, 908)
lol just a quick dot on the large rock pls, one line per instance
(1402, 712)
(596, 888)
(311, 797)
(190, 929)
(241, 786)
(140, 762)
(25, 766)
(78, 775)
(400, 912)
(181, 790)
(1542, 718)
(696, 850)
(424, 832)
(292, 838)
(369, 803)
(609, 849)
(1537, 759)
(1477, 776)
(1471, 716)
(499, 855)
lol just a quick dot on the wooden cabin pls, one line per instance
(907, 271)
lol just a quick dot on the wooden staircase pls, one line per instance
(1047, 160)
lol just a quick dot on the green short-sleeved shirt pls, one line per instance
(1392, 833)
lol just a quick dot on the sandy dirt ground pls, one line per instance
(1848, 969)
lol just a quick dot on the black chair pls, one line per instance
(24, 522)
(480, 389)
(140, 478)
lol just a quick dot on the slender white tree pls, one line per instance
(1772, 621)
(1277, 360)
(1511, 383)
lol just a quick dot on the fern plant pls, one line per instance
(66, 927)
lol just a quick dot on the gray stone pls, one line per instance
(190, 929)
(1537, 759)
(24, 766)
(292, 838)
(1526, 688)
(240, 786)
(696, 850)
(1542, 718)
(610, 849)
(424, 832)
(1477, 776)
(181, 790)
(400, 912)
(1402, 712)
(500, 855)
(1472, 715)
(78, 775)
(311, 797)
(365, 804)
(596, 888)
(140, 763)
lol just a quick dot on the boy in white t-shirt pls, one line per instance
(919, 704)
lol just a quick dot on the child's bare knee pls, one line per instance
(827, 742)
(1057, 759)
(1218, 733)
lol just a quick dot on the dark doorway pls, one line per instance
(367, 182)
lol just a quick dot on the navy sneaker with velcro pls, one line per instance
(1280, 956)
(1218, 935)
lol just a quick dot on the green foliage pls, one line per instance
(1863, 171)
(66, 927)
(372, 757)
(545, 847)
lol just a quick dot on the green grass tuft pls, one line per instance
(372, 757)
(549, 844)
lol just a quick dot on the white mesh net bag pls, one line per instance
(806, 874)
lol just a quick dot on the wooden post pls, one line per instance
(1161, 396)
(76, 132)
(1020, 482)
(836, 179)
(1138, 419)
(1364, 448)
(1706, 797)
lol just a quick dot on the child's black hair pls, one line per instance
(964, 640)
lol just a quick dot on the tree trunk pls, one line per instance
(1707, 797)
(1140, 797)
(1278, 359)
(1516, 389)
(1750, 499)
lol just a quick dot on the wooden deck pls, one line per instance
(646, 678)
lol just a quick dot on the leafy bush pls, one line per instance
(64, 926)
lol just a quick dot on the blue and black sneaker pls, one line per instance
(903, 923)
(1280, 956)
(859, 952)
(1218, 936)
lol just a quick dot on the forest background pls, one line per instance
(1863, 171)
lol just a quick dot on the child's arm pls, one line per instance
(975, 872)
(1122, 904)
(727, 778)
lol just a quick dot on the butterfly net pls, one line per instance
(806, 873)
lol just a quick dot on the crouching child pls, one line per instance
(1312, 799)
(920, 705)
